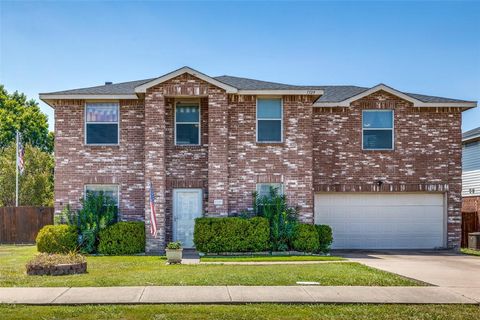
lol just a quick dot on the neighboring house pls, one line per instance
(471, 170)
(381, 166)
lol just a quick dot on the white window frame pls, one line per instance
(181, 102)
(281, 118)
(85, 122)
(386, 129)
(102, 185)
(281, 188)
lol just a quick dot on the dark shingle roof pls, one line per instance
(474, 133)
(427, 99)
(252, 84)
(114, 88)
(331, 93)
(339, 93)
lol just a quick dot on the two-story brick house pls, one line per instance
(382, 167)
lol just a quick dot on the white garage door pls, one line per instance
(382, 221)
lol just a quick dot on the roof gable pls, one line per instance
(416, 99)
(143, 87)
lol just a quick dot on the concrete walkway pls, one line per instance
(266, 263)
(231, 295)
(458, 272)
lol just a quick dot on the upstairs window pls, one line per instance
(269, 120)
(101, 123)
(377, 129)
(187, 124)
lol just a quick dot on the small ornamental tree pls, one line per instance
(281, 217)
(97, 213)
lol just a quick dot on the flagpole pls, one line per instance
(16, 173)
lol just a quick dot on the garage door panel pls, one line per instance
(382, 221)
(382, 199)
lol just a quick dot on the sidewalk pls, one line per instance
(233, 295)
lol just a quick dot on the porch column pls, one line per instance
(217, 154)
(155, 168)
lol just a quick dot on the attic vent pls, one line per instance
(108, 83)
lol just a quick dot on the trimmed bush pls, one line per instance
(57, 239)
(325, 236)
(216, 235)
(122, 238)
(306, 238)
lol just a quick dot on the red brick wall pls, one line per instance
(471, 204)
(185, 166)
(289, 162)
(77, 164)
(427, 155)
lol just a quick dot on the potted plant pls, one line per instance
(174, 252)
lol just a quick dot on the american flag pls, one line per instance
(21, 154)
(153, 219)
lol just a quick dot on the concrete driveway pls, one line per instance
(460, 273)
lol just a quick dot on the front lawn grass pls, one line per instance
(470, 252)
(249, 311)
(151, 270)
(267, 258)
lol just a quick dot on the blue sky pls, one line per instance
(421, 47)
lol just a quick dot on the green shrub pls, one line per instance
(57, 239)
(325, 236)
(282, 218)
(215, 235)
(122, 238)
(97, 213)
(306, 238)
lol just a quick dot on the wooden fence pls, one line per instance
(470, 223)
(21, 224)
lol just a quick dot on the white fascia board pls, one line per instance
(416, 102)
(143, 88)
(316, 92)
(475, 137)
(47, 96)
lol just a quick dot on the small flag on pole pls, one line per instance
(153, 219)
(21, 154)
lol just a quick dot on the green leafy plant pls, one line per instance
(325, 236)
(122, 238)
(174, 245)
(282, 218)
(67, 216)
(97, 213)
(17, 113)
(232, 234)
(36, 182)
(57, 239)
(306, 238)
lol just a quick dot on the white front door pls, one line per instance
(187, 205)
